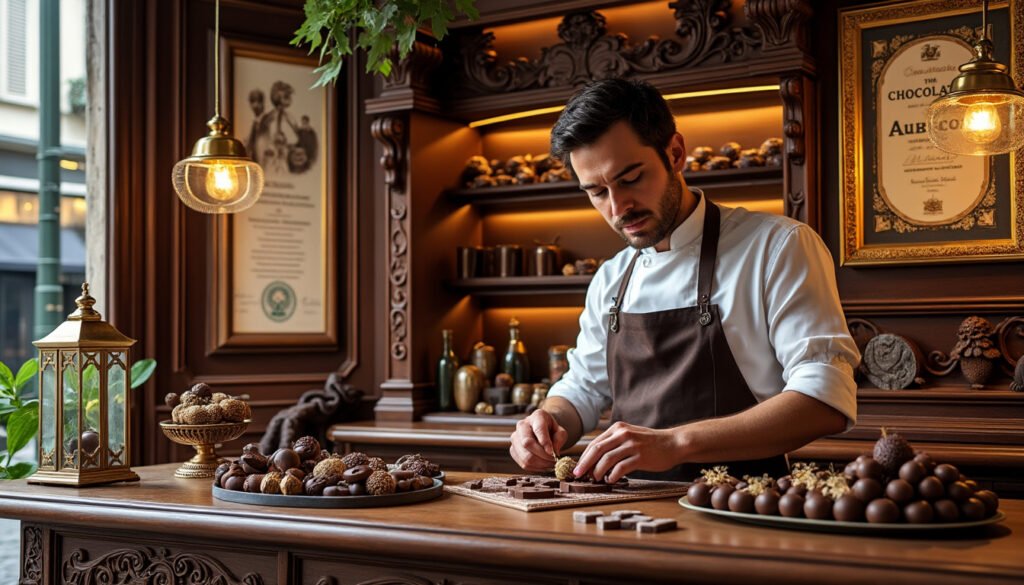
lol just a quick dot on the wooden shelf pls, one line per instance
(567, 192)
(515, 285)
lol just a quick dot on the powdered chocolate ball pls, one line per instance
(235, 410)
(201, 390)
(172, 400)
(380, 483)
(271, 483)
(377, 464)
(218, 396)
(291, 485)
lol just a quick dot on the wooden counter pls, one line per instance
(162, 525)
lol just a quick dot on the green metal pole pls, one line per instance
(49, 310)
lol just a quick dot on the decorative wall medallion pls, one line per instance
(31, 555)
(148, 566)
(892, 362)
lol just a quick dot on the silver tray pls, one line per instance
(396, 499)
(844, 527)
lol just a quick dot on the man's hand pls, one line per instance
(625, 448)
(537, 440)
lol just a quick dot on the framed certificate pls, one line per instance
(904, 200)
(275, 264)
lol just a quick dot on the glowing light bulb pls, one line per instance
(222, 182)
(981, 123)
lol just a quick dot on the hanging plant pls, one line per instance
(379, 25)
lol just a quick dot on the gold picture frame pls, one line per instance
(902, 200)
(274, 270)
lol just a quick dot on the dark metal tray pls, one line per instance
(396, 499)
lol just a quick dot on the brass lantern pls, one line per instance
(84, 401)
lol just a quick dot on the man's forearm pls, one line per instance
(778, 425)
(567, 417)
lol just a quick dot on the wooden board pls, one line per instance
(495, 491)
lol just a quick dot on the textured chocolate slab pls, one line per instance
(531, 493)
(575, 487)
(657, 525)
(495, 491)
(580, 517)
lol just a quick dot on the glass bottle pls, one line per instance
(446, 367)
(516, 363)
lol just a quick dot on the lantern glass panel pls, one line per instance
(71, 396)
(48, 414)
(91, 417)
(116, 391)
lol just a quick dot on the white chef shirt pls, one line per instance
(775, 288)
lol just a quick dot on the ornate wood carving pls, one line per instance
(390, 131)
(415, 70)
(404, 580)
(782, 23)
(315, 411)
(892, 362)
(31, 555)
(1017, 385)
(975, 352)
(587, 52)
(1004, 331)
(792, 89)
(150, 566)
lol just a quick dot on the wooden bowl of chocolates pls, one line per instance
(306, 476)
(894, 490)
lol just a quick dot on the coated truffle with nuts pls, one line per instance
(200, 405)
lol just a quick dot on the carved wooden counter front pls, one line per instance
(146, 532)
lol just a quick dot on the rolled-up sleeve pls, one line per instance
(585, 385)
(806, 325)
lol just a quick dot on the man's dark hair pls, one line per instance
(599, 105)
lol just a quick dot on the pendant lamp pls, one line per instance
(983, 113)
(219, 177)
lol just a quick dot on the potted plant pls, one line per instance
(377, 26)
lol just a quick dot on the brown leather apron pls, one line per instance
(668, 368)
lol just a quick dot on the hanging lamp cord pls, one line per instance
(984, 19)
(216, 57)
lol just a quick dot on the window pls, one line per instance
(19, 51)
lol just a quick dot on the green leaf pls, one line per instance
(141, 371)
(6, 378)
(22, 426)
(21, 470)
(25, 373)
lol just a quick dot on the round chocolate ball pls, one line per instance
(357, 489)
(720, 497)
(850, 470)
(285, 459)
(947, 473)
(972, 484)
(870, 468)
(767, 503)
(899, 491)
(90, 441)
(959, 492)
(882, 511)
(800, 490)
(990, 499)
(785, 482)
(913, 472)
(946, 511)
(333, 491)
(236, 483)
(849, 508)
(741, 501)
(973, 509)
(699, 494)
(919, 512)
(931, 488)
(791, 505)
(818, 507)
(220, 471)
(867, 489)
(926, 460)
(403, 485)
(862, 457)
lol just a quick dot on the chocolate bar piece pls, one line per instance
(531, 493)
(631, 522)
(475, 485)
(512, 481)
(575, 487)
(609, 523)
(586, 517)
(551, 483)
(657, 525)
(526, 483)
(626, 513)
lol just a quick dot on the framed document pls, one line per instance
(275, 263)
(904, 200)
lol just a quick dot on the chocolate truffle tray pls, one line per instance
(303, 501)
(836, 526)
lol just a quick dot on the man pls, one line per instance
(716, 336)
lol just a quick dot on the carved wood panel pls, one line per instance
(31, 555)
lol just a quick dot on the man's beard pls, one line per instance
(668, 209)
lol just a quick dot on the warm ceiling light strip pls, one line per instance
(669, 97)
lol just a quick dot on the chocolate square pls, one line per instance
(609, 523)
(631, 522)
(626, 513)
(576, 487)
(586, 517)
(657, 525)
(531, 493)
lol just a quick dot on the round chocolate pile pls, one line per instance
(892, 485)
(308, 470)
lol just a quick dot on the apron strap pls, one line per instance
(613, 313)
(708, 253)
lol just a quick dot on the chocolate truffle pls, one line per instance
(236, 483)
(271, 483)
(329, 466)
(926, 460)
(252, 483)
(990, 499)
(800, 490)
(959, 492)
(931, 488)
(720, 496)
(869, 468)
(919, 512)
(791, 505)
(741, 501)
(307, 448)
(333, 491)
(899, 491)
(849, 508)
(818, 507)
(867, 489)
(251, 448)
(784, 484)
(357, 474)
(357, 489)
(767, 503)
(254, 462)
(882, 511)
(380, 483)
(285, 459)
(220, 471)
(355, 458)
(699, 494)
(850, 471)
(296, 473)
(913, 472)
(291, 485)
(892, 451)
(946, 473)
(946, 511)
(973, 509)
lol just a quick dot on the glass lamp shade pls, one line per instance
(219, 177)
(978, 123)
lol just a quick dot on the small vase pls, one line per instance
(977, 370)
(469, 383)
